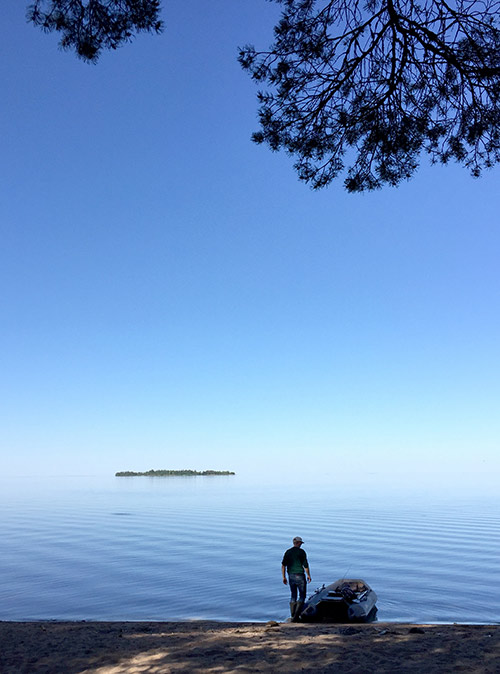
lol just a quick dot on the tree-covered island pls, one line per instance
(169, 473)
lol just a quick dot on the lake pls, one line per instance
(181, 548)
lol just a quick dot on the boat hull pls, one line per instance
(346, 600)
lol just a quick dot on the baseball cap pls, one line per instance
(297, 539)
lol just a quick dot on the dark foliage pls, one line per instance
(366, 86)
(88, 26)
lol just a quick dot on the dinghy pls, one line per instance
(346, 600)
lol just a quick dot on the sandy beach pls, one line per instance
(201, 646)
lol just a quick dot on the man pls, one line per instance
(295, 562)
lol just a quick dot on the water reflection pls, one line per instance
(159, 549)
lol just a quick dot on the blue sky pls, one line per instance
(173, 297)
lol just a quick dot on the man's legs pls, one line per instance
(302, 587)
(293, 592)
(297, 582)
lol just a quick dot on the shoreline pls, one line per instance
(84, 647)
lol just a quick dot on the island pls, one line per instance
(170, 473)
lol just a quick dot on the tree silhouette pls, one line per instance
(365, 87)
(355, 86)
(88, 26)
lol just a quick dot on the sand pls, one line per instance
(201, 646)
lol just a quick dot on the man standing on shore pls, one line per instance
(295, 562)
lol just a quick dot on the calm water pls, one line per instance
(186, 548)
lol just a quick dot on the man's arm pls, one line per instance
(306, 569)
(305, 564)
(283, 572)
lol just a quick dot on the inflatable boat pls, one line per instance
(346, 600)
